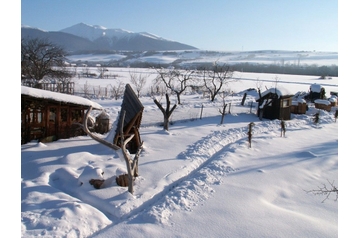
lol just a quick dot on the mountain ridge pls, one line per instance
(82, 37)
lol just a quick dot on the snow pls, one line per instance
(199, 179)
(38, 93)
(316, 88)
(301, 58)
(280, 91)
(322, 101)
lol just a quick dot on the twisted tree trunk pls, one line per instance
(166, 112)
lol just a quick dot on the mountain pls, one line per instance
(86, 38)
(69, 42)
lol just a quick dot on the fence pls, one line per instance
(60, 87)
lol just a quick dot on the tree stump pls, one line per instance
(122, 180)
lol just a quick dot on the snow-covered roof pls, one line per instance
(322, 101)
(280, 91)
(316, 88)
(61, 97)
(298, 101)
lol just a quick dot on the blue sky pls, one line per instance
(205, 24)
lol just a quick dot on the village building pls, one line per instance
(316, 92)
(48, 116)
(274, 103)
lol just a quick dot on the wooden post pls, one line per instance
(201, 112)
(249, 133)
(243, 99)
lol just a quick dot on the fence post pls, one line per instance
(201, 113)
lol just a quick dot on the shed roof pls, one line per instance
(322, 101)
(316, 88)
(131, 105)
(280, 91)
(60, 97)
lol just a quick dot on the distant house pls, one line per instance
(316, 92)
(274, 103)
(47, 116)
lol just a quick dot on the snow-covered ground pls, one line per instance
(230, 57)
(199, 179)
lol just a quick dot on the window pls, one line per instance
(52, 115)
(34, 116)
(64, 115)
(76, 115)
(39, 116)
(285, 103)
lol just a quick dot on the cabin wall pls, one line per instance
(46, 121)
(278, 109)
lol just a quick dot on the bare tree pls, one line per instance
(223, 95)
(118, 89)
(101, 70)
(175, 80)
(216, 78)
(131, 163)
(139, 81)
(316, 118)
(86, 89)
(166, 112)
(40, 58)
(86, 71)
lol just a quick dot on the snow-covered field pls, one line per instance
(230, 57)
(199, 179)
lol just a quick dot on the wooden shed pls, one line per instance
(316, 92)
(323, 104)
(48, 116)
(274, 103)
(133, 117)
(299, 106)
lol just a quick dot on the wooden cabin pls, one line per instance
(274, 103)
(48, 116)
(316, 92)
(133, 117)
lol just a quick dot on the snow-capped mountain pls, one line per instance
(118, 39)
(98, 38)
(93, 32)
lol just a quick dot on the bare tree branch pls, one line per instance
(324, 190)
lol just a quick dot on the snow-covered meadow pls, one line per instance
(264, 57)
(199, 179)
